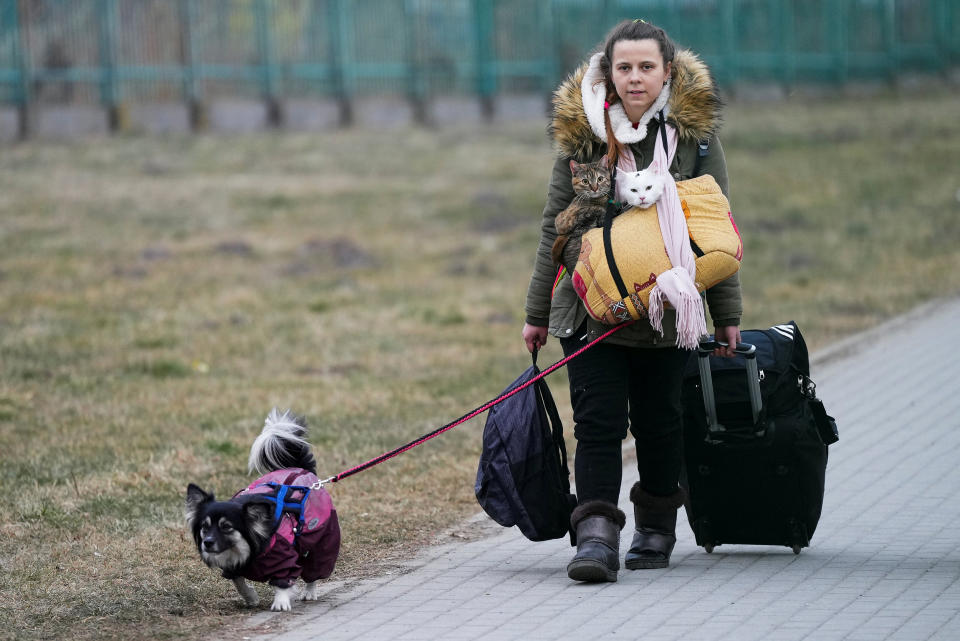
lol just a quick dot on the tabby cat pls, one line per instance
(591, 189)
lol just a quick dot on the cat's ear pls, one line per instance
(605, 161)
(573, 165)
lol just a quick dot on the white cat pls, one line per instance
(642, 188)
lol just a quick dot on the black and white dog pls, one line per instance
(281, 527)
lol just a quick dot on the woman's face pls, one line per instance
(638, 74)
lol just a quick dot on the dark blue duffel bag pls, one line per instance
(523, 478)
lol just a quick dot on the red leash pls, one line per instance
(466, 417)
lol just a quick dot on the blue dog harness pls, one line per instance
(293, 507)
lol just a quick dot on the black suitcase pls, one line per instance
(755, 443)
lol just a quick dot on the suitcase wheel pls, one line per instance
(709, 548)
(796, 549)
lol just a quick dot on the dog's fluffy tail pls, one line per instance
(282, 444)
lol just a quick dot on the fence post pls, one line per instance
(951, 37)
(549, 37)
(22, 91)
(890, 39)
(264, 10)
(606, 16)
(416, 82)
(786, 25)
(728, 36)
(117, 117)
(314, 28)
(340, 32)
(942, 25)
(841, 42)
(196, 110)
(485, 62)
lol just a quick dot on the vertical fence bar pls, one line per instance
(23, 96)
(607, 16)
(483, 13)
(728, 38)
(668, 16)
(340, 33)
(953, 37)
(189, 60)
(841, 41)
(550, 38)
(264, 11)
(891, 41)
(315, 27)
(786, 26)
(941, 24)
(109, 85)
(416, 80)
(954, 34)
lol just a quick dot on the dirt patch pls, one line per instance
(494, 213)
(343, 251)
(234, 248)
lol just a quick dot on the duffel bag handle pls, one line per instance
(746, 349)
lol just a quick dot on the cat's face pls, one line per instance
(643, 188)
(590, 179)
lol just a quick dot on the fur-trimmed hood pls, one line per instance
(694, 108)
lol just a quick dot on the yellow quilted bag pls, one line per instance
(639, 253)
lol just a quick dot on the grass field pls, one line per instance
(159, 296)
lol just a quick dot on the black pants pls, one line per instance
(613, 388)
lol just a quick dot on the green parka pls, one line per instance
(694, 109)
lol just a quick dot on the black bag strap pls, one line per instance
(545, 399)
(556, 425)
(703, 149)
(663, 135)
(556, 430)
(607, 244)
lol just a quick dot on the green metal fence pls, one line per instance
(117, 52)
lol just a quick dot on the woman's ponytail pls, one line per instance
(614, 147)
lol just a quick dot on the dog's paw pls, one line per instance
(281, 600)
(247, 592)
(309, 592)
(251, 598)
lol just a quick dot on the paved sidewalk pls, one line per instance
(883, 563)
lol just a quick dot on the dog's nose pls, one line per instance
(209, 544)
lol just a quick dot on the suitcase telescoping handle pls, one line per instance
(749, 352)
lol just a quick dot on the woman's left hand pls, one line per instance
(729, 335)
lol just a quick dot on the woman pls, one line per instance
(610, 107)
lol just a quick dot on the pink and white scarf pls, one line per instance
(675, 285)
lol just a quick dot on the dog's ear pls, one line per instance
(196, 497)
(259, 518)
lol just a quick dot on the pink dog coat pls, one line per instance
(307, 539)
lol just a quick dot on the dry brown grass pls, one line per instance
(157, 297)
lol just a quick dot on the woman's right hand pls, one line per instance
(535, 337)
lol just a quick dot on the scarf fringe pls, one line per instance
(676, 287)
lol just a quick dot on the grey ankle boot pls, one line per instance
(598, 525)
(656, 528)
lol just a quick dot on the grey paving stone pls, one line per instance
(883, 564)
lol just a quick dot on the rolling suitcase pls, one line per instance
(755, 443)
